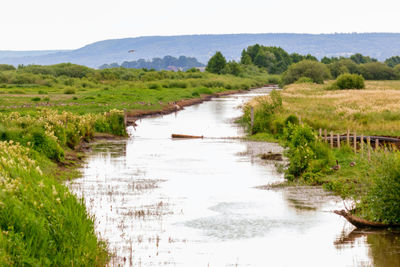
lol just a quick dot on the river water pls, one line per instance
(164, 202)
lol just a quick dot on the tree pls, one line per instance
(377, 71)
(232, 67)
(245, 59)
(360, 59)
(216, 63)
(392, 61)
(316, 71)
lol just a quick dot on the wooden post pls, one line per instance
(252, 119)
(369, 148)
(331, 139)
(125, 117)
(320, 133)
(355, 142)
(376, 144)
(338, 141)
(348, 137)
(362, 145)
(326, 136)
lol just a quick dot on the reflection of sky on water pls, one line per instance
(164, 202)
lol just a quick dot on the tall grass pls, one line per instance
(41, 222)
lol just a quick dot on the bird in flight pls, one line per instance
(131, 51)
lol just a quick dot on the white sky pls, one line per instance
(69, 24)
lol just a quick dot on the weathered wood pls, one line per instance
(369, 148)
(338, 140)
(348, 137)
(362, 145)
(326, 135)
(320, 133)
(185, 136)
(252, 119)
(355, 142)
(362, 223)
(331, 137)
(376, 144)
(125, 118)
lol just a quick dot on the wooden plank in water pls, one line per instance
(185, 136)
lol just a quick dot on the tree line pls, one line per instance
(165, 63)
(276, 60)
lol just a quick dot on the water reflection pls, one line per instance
(384, 245)
(164, 202)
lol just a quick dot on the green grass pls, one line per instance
(103, 90)
(42, 223)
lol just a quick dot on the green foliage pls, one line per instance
(5, 67)
(233, 68)
(360, 59)
(46, 145)
(382, 202)
(314, 70)
(304, 80)
(295, 57)
(35, 99)
(377, 71)
(274, 59)
(41, 222)
(69, 91)
(350, 81)
(393, 61)
(216, 63)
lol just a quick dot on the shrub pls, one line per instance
(314, 70)
(304, 80)
(377, 71)
(154, 86)
(382, 202)
(35, 99)
(69, 91)
(46, 145)
(350, 81)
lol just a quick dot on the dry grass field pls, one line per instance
(374, 110)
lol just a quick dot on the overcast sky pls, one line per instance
(69, 24)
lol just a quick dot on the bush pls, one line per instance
(350, 81)
(35, 99)
(154, 86)
(314, 70)
(304, 80)
(377, 71)
(69, 91)
(382, 202)
(46, 145)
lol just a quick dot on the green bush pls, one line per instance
(69, 91)
(304, 80)
(314, 70)
(382, 202)
(350, 81)
(36, 99)
(154, 86)
(377, 71)
(46, 145)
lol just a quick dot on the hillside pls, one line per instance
(377, 45)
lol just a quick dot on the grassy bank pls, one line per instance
(373, 183)
(67, 87)
(372, 111)
(41, 222)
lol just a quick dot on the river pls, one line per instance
(164, 202)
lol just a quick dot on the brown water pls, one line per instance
(164, 202)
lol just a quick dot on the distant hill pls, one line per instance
(165, 63)
(202, 47)
(16, 54)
